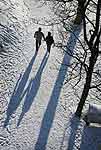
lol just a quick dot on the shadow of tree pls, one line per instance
(93, 135)
(18, 91)
(32, 89)
(74, 125)
(53, 102)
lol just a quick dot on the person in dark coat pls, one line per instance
(49, 41)
(38, 36)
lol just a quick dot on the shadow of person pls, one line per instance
(32, 89)
(53, 102)
(18, 91)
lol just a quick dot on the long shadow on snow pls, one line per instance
(32, 89)
(75, 125)
(51, 108)
(18, 91)
(91, 138)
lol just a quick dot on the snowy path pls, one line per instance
(32, 107)
(38, 114)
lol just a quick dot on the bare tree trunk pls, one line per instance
(86, 89)
(93, 44)
(79, 17)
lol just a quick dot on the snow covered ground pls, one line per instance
(36, 109)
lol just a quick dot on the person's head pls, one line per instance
(49, 33)
(40, 29)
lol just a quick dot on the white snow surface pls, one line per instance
(36, 108)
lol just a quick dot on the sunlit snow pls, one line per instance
(36, 108)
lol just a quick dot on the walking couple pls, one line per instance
(49, 39)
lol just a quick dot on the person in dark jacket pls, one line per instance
(38, 36)
(49, 41)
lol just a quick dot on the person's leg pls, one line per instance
(48, 48)
(36, 45)
(39, 44)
